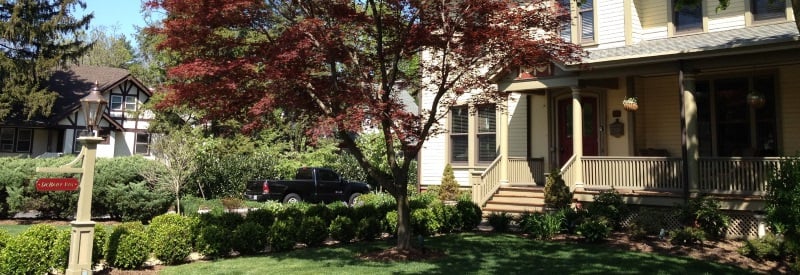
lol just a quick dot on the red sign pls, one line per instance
(57, 184)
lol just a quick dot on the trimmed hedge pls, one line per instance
(171, 237)
(128, 246)
(36, 250)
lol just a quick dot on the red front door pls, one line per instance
(590, 137)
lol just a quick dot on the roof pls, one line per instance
(75, 83)
(702, 42)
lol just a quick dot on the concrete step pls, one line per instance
(531, 192)
(499, 199)
(510, 208)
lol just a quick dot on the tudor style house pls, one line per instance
(716, 98)
(123, 125)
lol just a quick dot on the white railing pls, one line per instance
(735, 175)
(635, 173)
(487, 183)
(525, 170)
(568, 173)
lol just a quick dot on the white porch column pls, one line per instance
(577, 136)
(692, 142)
(504, 143)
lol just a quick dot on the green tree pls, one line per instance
(36, 37)
(176, 153)
(108, 49)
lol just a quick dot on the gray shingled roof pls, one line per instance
(735, 38)
(75, 83)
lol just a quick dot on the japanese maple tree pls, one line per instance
(346, 62)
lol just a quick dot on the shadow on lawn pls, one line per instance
(512, 254)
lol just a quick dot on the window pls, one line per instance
(7, 139)
(326, 175)
(585, 21)
(728, 126)
(16, 140)
(768, 9)
(142, 145)
(116, 103)
(586, 26)
(459, 126)
(24, 137)
(130, 103)
(689, 18)
(487, 150)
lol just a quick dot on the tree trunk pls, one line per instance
(403, 220)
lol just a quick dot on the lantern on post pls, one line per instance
(93, 106)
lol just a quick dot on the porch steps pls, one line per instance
(516, 200)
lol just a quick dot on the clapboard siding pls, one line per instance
(610, 23)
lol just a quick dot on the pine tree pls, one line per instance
(448, 190)
(36, 37)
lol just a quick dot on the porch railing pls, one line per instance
(735, 175)
(639, 173)
(568, 173)
(486, 183)
(525, 170)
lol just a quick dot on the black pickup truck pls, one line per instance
(311, 184)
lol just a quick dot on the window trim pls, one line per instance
(134, 103)
(4, 142)
(478, 133)
(19, 140)
(137, 143)
(580, 11)
(673, 27)
(460, 135)
(112, 102)
(750, 15)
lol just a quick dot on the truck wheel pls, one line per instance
(292, 198)
(354, 200)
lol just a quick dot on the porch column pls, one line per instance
(577, 136)
(504, 143)
(692, 142)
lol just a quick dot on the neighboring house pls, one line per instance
(694, 72)
(123, 126)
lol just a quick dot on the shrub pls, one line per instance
(170, 238)
(368, 228)
(136, 201)
(391, 222)
(5, 237)
(556, 191)
(320, 210)
(339, 209)
(470, 213)
(448, 217)
(281, 235)
(609, 204)
(769, 247)
(704, 212)
(342, 229)
(100, 242)
(228, 221)
(231, 203)
(500, 221)
(421, 200)
(127, 246)
(594, 229)
(36, 250)
(214, 241)
(249, 238)
(542, 226)
(424, 222)
(448, 190)
(573, 218)
(313, 230)
(261, 216)
(687, 236)
(783, 203)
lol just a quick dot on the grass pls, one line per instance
(15, 229)
(468, 253)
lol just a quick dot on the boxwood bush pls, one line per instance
(313, 231)
(368, 228)
(281, 235)
(214, 241)
(100, 242)
(424, 222)
(128, 246)
(342, 229)
(500, 222)
(170, 237)
(470, 213)
(37, 250)
(261, 216)
(249, 238)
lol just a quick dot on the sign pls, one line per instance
(57, 184)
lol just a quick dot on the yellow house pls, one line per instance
(717, 98)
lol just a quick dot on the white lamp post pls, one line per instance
(80, 248)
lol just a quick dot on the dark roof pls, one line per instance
(75, 83)
(754, 36)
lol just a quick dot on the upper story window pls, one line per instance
(688, 18)
(123, 103)
(768, 9)
(585, 21)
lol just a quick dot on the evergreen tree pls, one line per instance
(36, 37)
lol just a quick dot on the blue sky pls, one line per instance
(118, 16)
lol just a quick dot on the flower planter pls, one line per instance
(630, 106)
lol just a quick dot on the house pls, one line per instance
(123, 125)
(717, 94)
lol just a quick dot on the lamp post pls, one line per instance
(82, 233)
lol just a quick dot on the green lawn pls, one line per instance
(15, 229)
(468, 253)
